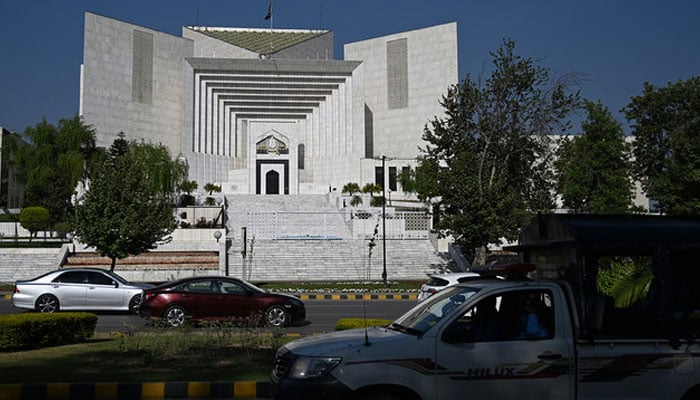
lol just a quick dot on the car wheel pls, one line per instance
(134, 304)
(47, 303)
(175, 316)
(277, 316)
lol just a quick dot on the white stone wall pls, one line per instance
(106, 92)
(432, 68)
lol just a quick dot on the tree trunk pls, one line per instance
(480, 255)
(114, 264)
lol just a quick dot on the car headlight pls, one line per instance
(313, 367)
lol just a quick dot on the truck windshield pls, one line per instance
(428, 313)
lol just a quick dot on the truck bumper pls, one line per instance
(305, 389)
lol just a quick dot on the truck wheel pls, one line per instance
(692, 394)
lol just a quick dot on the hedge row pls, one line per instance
(354, 323)
(34, 330)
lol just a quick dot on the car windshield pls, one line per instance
(428, 313)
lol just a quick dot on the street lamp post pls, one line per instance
(384, 221)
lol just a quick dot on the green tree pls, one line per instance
(52, 166)
(372, 189)
(351, 188)
(211, 188)
(34, 219)
(593, 169)
(666, 123)
(626, 279)
(187, 187)
(488, 160)
(128, 207)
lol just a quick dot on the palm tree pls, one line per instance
(627, 280)
(373, 188)
(351, 188)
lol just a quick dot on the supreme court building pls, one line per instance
(263, 111)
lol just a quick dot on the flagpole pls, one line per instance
(272, 17)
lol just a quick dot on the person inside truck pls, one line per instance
(529, 323)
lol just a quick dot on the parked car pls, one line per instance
(218, 298)
(78, 289)
(438, 282)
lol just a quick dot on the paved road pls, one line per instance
(321, 315)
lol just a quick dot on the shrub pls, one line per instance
(34, 330)
(34, 219)
(354, 323)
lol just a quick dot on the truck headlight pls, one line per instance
(312, 367)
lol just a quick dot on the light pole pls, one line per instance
(70, 237)
(384, 221)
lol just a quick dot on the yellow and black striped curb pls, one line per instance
(404, 296)
(146, 390)
(358, 296)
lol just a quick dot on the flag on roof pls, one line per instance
(269, 11)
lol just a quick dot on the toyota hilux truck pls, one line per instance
(497, 339)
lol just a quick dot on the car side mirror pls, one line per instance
(115, 283)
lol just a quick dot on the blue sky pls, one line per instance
(617, 44)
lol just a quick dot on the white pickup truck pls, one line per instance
(495, 339)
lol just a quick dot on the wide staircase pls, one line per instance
(21, 263)
(305, 237)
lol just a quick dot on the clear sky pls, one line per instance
(617, 44)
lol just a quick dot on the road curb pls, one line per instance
(358, 296)
(145, 390)
(311, 296)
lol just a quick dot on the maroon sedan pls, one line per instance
(218, 298)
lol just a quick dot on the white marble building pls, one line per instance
(262, 111)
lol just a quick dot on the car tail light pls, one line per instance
(16, 290)
(148, 295)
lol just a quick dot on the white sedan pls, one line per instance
(438, 282)
(78, 289)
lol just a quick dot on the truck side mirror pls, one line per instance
(458, 332)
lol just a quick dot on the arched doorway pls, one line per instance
(272, 182)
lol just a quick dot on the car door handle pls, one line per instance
(549, 356)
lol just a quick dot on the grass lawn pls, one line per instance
(204, 354)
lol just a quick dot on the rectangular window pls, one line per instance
(392, 178)
(369, 132)
(379, 176)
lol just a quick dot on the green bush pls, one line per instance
(354, 323)
(34, 219)
(4, 217)
(35, 330)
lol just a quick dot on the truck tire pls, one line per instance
(692, 394)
